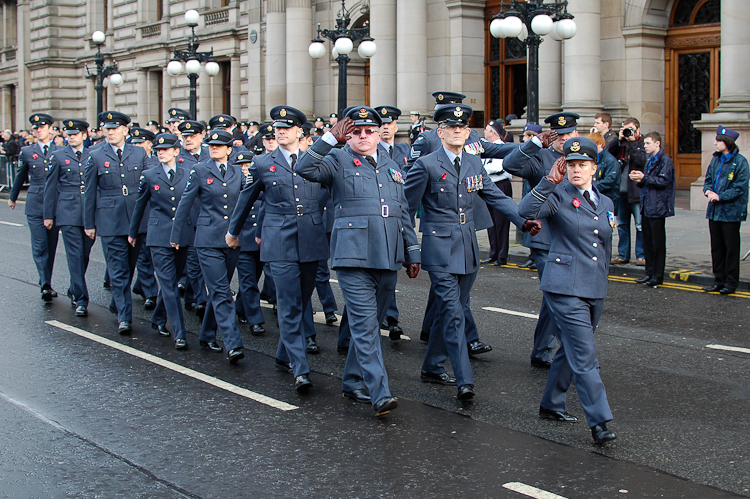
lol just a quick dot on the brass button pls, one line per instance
(596, 218)
(296, 186)
(122, 174)
(594, 258)
(357, 174)
(296, 199)
(294, 174)
(557, 260)
(350, 225)
(596, 245)
(225, 195)
(171, 188)
(224, 184)
(174, 209)
(226, 217)
(380, 185)
(382, 200)
(596, 231)
(225, 207)
(274, 183)
(442, 190)
(172, 198)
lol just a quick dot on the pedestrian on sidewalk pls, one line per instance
(726, 187)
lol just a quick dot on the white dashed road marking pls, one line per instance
(530, 491)
(729, 349)
(511, 312)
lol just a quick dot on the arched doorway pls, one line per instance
(691, 80)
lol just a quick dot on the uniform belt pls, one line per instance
(384, 211)
(70, 188)
(123, 191)
(298, 210)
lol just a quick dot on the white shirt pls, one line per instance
(594, 197)
(494, 167)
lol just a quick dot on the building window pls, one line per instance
(226, 87)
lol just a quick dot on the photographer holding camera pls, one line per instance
(629, 150)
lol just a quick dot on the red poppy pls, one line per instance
(67, 161)
(180, 160)
(106, 164)
(357, 162)
(576, 202)
(443, 177)
(156, 187)
(34, 156)
(209, 181)
(272, 169)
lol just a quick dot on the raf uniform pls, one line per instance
(575, 285)
(63, 203)
(190, 127)
(372, 236)
(293, 239)
(226, 122)
(268, 292)
(216, 187)
(449, 188)
(112, 175)
(34, 166)
(161, 189)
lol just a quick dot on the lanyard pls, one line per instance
(724, 157)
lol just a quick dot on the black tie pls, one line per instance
(457, 165)
(196, 156)
(223, 169)
(371, 160)
(587, 196)
(78, 153)
(45, 149)
(390, 151)
(171, 175)
(294, 160)
(119, 155)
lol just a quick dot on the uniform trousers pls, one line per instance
(655, 246)
(392, 308)
(323, 287)
(430, 321)
(106, 266)
(249, 270)
(544, 333)
(725, 252)
(169, 264)
(269, 286)
(77, 250)
(499, 233)
(451, 297)
(195, 289)
(218, 266)
(366, 293)
(43, 248)
(121, 262)
(296, 285)
(576, 358)
(145, 281)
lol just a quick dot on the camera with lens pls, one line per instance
(627, 132)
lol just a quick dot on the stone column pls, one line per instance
(583, 74)
(383, 63)
(166, 94)
(236, 87)
(142, 97)
(411, 56)
(466, 56)
(91, 103)
(205, 105)
(276, 53)
(550, 77)
(299, 64)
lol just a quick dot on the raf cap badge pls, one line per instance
(241, 156)
(575, 147)
(109, 116)
(187, 125)
(70, 123)
(363, 113)
(215, 136)
(36, 118)
(458, 113)
(174, 112)
(440, 97)
(384, 111)
(270, 128)
(282, 113)
(221, 119)
(161, 140)
(561, 121)
(137, 133)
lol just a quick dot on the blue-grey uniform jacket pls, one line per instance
(399, 154)
(293, 227)
(371, 227)
(580, 238)
(112, 188)
(63, 193)
(33, 166)
(217, 197)
(163, 197)
(189, 160)
(449, 241)
(429, 142)
(658, 187)
(253, 226)
(730, 182)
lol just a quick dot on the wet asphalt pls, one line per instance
(79, 418)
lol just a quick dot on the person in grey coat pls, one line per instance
(580, 222)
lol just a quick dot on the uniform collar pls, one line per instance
(452, 157)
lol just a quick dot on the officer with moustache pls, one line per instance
(63, 207)
(193, 149)
(216, 185)
(34, 166)
(112, 175)
(293, 238)
(449, 184)
(161, 188)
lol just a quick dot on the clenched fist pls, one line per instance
(533, 227)
(558, 171)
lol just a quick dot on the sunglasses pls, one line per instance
(367, 131)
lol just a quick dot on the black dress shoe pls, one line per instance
(200, 311)
(601, 434)
(643, 279)
(384, 325)
(653, 282)
(556, 415)
(46, 293)
(424, 336)
(180, 343)
(149, 304)
(124, 327)
(342, 350)
(385, 405)
(500, 262)
(241, 319)
(488, 261)
(331, 318)
(302, 383)
(181, 289)
(81, 311)
(395, 332)
(107, 285)
(161, 329)
(465, 392)
(112, 308)
(544, 364)
(312, 346)
(476, 347)
(440, 379)
(257, 330)
(284, 366)
(713, 288)
(265, 297)
(726, 291)
(358, 395)
(527, 264)
(211, 345)
(189, 306)
(139, 292)
(235, 354)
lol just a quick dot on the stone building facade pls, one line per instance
(673, 64)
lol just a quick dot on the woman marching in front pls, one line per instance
(580, 221)
(726, 189)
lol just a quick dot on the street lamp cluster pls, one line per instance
(104, 74)
(529, 21)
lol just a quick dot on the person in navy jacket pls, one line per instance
(34, 166)
(726, 187)
(580, 221)
(63, 207)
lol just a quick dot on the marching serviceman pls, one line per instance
(193, 149)
(175, 119)
(293, 238)
(580, 222)
(216, 184)
(112, 175)
(63, 206)
(372, 236)
(449, 185)
(161, 188)
(34, 166)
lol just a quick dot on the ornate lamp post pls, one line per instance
(193, 59)
(530, 20)
(104, 74)
(343, 39)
